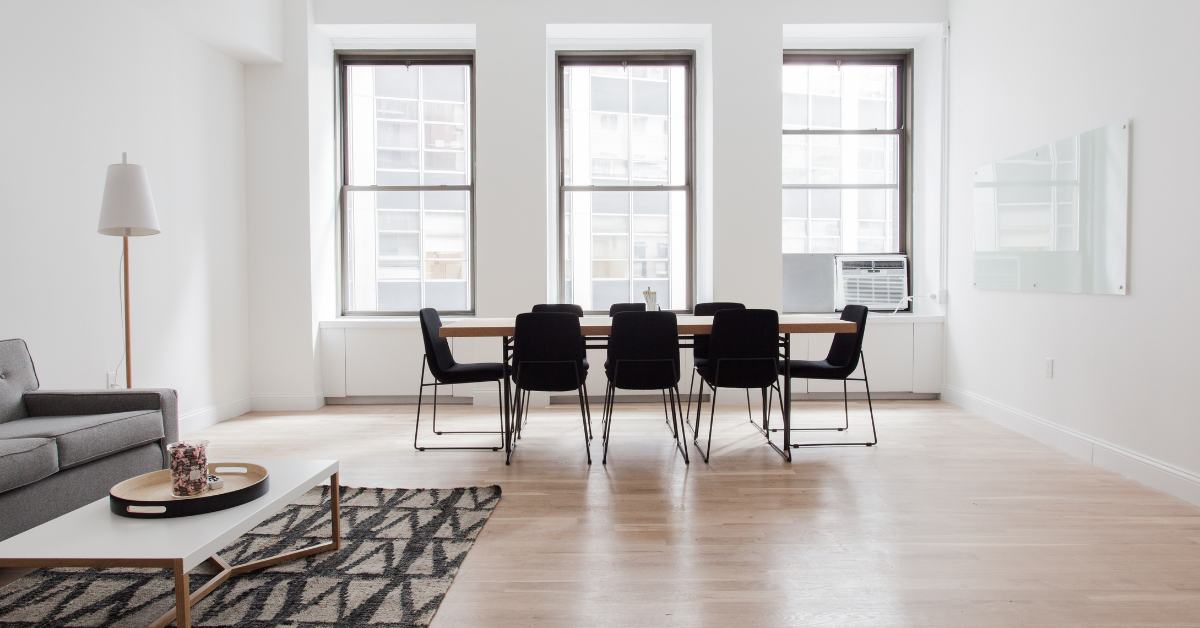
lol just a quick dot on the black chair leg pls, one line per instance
(712, 415)
(420, 398)
(420, 402)
(677, 423)
(590, 433)
(870, 407)
(691, 382)
(846, 411)
(667, 417)
(583, 417)
(435, 429)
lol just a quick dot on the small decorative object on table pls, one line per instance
(651, 300)
(189, 467)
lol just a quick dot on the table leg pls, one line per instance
(183, 597)
(508, 427)
(786, 404)
(184, 601)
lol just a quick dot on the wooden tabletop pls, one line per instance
(602, 326)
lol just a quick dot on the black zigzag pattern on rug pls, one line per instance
(400, 552)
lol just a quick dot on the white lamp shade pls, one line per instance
(128, 208)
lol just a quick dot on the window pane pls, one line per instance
(404, 249)
(821, 96)
(407, 125)
(841, 221)
(613, 237)
(831, 159)
(624, 127)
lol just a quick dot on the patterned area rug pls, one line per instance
(400, 551)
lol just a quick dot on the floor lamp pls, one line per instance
(127, 210)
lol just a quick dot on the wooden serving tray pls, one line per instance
(149, 496)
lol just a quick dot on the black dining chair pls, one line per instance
(643, 354)
(569, 308)
(440, 362)
(548, 356)
(577, 310)
(845, 354)
(700, 344)
(743, 352)
(617, 308)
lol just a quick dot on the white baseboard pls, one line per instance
(1165, 477)
(286, 403)
(204, 417)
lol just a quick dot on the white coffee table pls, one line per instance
(93, 536)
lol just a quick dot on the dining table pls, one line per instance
(596, 329)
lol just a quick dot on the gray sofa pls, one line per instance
(62, 449)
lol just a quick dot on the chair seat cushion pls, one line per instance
(700, 362)
(813, 369)
(82, 439)
(25, 461)
(473, 373)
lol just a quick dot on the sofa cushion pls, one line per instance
(16, 378)
(25, 461)
(85, 438)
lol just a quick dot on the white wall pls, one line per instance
(290, 201)
(84, 81)
(1026, 72)
(513, 212)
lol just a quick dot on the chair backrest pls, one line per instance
(700, 343)
(569, 308)
(437, 349)
(745, 349)
(635, 339)
(548, 352)
(617, 308)
(847, 348)
(17, 377)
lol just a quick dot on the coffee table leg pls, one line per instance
(183, 598)
(335, 511)
(182, 613)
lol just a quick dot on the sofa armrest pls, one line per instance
(85, 402)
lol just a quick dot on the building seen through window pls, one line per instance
(841, 157)
(407, 219)
(625, 190)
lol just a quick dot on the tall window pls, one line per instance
(843, 153)
(408, 198)
(625, 179)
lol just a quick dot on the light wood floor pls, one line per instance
(950, 521)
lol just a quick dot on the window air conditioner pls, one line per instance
(879, 282)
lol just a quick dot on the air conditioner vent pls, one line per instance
(878, 282)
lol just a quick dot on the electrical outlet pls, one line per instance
(1050, 368)
(111, 376)
(938, 297)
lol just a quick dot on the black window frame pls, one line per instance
(903, 60)
(676, 58)
(342, 60)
